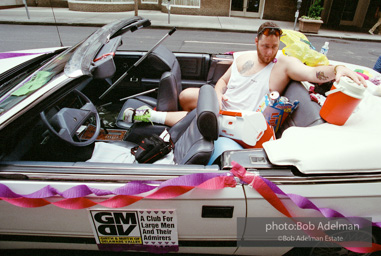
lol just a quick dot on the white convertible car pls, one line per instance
(68, 179)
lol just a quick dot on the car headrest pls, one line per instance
(161, 59)
(207, 112)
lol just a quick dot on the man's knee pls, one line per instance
(188, 98)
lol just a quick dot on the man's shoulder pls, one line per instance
(283, 63)
(240, 53)
(285, 59)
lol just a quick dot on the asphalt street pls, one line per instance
(21, 37)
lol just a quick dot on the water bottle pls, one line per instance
(324, 49)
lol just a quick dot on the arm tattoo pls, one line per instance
(247, 66)
(321, 76)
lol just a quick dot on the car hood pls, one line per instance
(11, 59)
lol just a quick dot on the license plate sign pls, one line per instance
(134, 229)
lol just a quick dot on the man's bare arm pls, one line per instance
(222, 84)
(297, 71)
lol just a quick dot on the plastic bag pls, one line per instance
(298, 46)
(276, 109)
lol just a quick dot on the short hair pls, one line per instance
(269, 24)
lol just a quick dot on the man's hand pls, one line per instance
(344, 71)
(221, 97)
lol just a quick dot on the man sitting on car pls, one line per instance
(252, 75)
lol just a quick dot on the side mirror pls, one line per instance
(104, 68)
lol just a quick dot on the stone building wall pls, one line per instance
(207, 8)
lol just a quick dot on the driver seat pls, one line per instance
(193, 136)
(163, 61)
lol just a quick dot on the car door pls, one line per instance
(202, 220)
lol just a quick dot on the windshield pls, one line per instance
(75, 62)
(27, 82)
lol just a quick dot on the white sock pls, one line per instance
(158, 117)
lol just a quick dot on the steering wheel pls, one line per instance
(68, 120)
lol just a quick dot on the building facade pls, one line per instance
(351, 14)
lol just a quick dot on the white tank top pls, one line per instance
(246, 92)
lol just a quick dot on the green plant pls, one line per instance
(314, 11)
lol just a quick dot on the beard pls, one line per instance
(266, 59)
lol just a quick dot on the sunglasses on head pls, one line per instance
(270, 31)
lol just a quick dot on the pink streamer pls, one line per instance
(270, 189)
(74, 198)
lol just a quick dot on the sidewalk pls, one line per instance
(63, 16)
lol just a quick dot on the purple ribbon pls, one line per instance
(138, 247)
(7, 55)
(131, 188)
(304, 203)
(78, 191)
